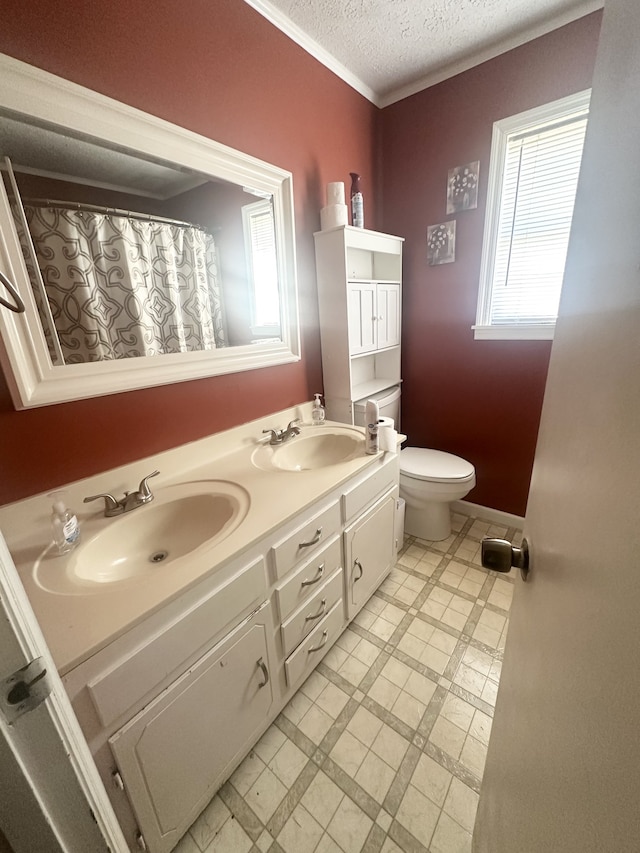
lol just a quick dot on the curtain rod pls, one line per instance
(114, 211)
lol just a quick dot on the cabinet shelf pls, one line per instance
(366, 389)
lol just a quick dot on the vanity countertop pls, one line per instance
(79, 624)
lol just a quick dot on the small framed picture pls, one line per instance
(441, 243)
(462, 187)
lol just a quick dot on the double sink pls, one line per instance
(183, 517)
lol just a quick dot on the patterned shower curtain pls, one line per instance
(120, 287)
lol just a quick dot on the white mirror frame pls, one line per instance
(32, 378)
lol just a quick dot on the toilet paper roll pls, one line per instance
(332, 216)
(387, 439)
(335, 193)
(387, 422)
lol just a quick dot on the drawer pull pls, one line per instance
(317, 578)
(323, 642)
(359, 565)
(321, 612)
(317, 537)
(265, 673)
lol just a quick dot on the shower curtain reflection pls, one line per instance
(120, 286)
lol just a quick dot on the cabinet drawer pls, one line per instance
(307, 579)
(357, 498)
(304, 620)
(313, 649)
(132, 677)
(299, 544)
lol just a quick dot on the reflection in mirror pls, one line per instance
(128, 257)
(144, 253)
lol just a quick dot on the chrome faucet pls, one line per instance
(131, 500)
(280, 436)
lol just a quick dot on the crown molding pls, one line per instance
(286, 25)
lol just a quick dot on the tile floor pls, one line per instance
(382, 749)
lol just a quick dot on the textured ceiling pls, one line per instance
(388, 49)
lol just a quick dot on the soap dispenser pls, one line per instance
(318, 412)
(64, 525)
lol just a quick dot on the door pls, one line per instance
(177, 750)
(369, 551)
(47, 800)
(362, 317)
(388, 312)
(563, 768)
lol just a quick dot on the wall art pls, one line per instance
(462, 187)
(441, 243)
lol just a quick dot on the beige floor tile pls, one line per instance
(348, 753)
(486, 635)
(365, 726)
(390, 746)
(328, 845)
(396, 672)
(408, 709)
(461, 804)
(480, 727)
(418, 814)
(231, 837)
(420, 687)
(443, 642)
(450, 837)
(265, 795)
(295, 710)
(348, 640)
(210, 822)
(478, 660)
(470, 679)
(431, 779)
(335, 658)
(332, 700)
(366, 652)
(301, 833)
(314, 685)
(473, 756)
(288, 762)
(349, 826)
(435, 659)
(375, 777)
(322, 798)
(421, 629)
(269, 743)
(264, 841)
(384, 692)
(390, 846)
(315, 724)
(448, 737)
(458, 712)
(353, 670)
(382, 629)
(248, 772)
(186, 845)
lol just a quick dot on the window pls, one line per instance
(533, 175)
(260, 243)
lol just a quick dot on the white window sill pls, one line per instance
(515, 332)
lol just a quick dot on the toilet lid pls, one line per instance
(434, 465)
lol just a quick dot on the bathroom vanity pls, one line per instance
(176, 666)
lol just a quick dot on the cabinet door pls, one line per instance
(362, 317)
(388, 313)
(174, 753)
(370, 551)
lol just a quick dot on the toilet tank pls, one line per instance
(388, 401)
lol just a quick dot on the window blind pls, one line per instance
(536, 207)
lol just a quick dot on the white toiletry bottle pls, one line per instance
(318, 411)
(64, 525)
(371, 415)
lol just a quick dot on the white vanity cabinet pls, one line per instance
(359, 298)
(172, 706)
(174, 754)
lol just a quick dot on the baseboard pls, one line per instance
(486, 512)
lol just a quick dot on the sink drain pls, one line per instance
(158, 556)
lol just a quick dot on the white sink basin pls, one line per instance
(150, 539)
(315, 447)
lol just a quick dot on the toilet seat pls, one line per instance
(434, 466)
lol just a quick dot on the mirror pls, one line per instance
(144, 253)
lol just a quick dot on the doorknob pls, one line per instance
(499, 555)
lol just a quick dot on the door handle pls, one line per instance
(265, 672)
(359, 565)
(500, 555)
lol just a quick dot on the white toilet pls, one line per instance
(429, 481)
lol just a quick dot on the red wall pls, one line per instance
(479, 399)
(222, 70)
